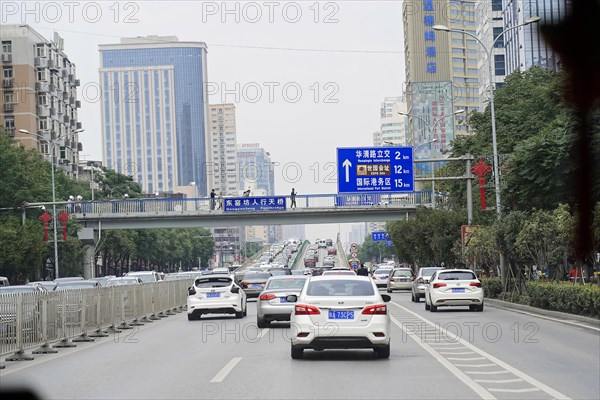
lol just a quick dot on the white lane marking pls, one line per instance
(442, 344)
(477, 388)
(563, 321)
(452, 348)
(498, 380)
(456, 353)
(515, 390)
(531, 380)
(264, 332)
(226, 370)
(475, 365)
(465, 359)
(488, 372)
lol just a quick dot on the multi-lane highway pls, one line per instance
(452, 354)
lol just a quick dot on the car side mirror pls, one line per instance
(386, 298)
(291, 298)
(191, 291)
(235, 289)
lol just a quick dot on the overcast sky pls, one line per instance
(359, 61)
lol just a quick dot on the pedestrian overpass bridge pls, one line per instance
(197, 212)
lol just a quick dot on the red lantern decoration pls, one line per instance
(45, 218)
(481, 169)
(63, 217)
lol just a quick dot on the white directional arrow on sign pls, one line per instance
(347, 164)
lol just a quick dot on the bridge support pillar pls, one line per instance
(89, 238)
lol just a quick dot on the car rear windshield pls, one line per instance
(212, 282)
(288, 283)
(382, 271)
(340, 287)
(403, 273)
(456, 276)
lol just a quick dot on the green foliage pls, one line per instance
(251, 248)
(428, 239)
(370, 250)
(492, 287)
(565, 297)
(115, 185)
(22, 248)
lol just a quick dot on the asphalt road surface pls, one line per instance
(451, 354)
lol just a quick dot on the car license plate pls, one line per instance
(256, 285)
(216, 294)
(283, 300)
(458, 290)
(337, 314)
(402, 279)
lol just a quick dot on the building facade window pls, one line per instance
(499, 64)
(6, 46)
(499, 42)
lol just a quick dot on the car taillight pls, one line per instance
(476, 284)
(303, 309)
(268, 296)
(420, 280)
(438, 285)
(377, 309)
(244, 283)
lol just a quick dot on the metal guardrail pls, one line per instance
(30, 320)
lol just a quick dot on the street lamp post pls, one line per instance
(488, 52)
(54, 216)
(431, 129)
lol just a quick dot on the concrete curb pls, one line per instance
(572, 319)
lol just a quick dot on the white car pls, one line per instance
(454, 287)
(380, 276)
(215, 294)
(340, 312)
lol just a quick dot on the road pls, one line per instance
(497, 354)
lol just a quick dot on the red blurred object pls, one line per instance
(45, 218)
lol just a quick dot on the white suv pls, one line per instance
(340, 312)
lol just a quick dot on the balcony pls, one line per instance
(41, 87)
(77, 104)
(65, 96)
(6, 57)
(9, 107)
(7, 83)
(77, 82)
(65, 74)
(66, 119)
(43, 111)
(71, 100)
(53, 111)
(52, 65)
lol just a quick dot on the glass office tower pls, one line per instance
(154, 111)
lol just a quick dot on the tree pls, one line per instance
(115, 185)
(370, 250)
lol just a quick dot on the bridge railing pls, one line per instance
(183, 205)
(29, 320)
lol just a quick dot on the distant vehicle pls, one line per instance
(328, 242)
(76, 285)
(400, 278)
(419, 284)
(145, 276)
(124, 280)
(322, 243)
(254, 283)
(331, 250)
(280, 271)
(272, 304)
(4, 281)
(69, 279)
(102, 279)
(23, 289)
(215, 294)
(454, 287)
(49, 285)
(380, 276)
(339, 272)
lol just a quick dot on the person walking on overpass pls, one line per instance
(293, 198)
(213, 195)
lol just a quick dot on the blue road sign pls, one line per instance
(271, 203)
(379, 236)
(389, 243)
(350, 200)
(375, 169)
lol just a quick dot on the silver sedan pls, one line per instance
(272, 304)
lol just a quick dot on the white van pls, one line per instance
(4, 281)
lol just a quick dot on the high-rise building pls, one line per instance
(525, 47)
(294, 232)
(393, 126)
(255, 169)
(39, 95)
(223, 172)
(441, 71)
(491, 25)
(154, 112)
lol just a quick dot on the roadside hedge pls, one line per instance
(562, 296)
